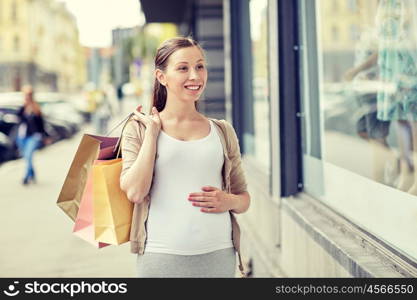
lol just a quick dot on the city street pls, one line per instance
(36, 236)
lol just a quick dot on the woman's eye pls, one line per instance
(182, 68)
(200, 67)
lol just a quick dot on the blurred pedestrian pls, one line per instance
(103, 114)
(120, 97)
(31, 132)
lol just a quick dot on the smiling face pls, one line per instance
(185, 76)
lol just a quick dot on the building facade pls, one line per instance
(30, 30)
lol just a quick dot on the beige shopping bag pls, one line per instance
(112, 210)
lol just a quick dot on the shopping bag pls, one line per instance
(112, 210)
(91, 147)
(84, 226)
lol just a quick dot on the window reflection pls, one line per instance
(369, 88)
(258, 143)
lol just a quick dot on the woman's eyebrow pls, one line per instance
(186, 62)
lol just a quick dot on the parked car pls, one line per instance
(8, 118)
(8, 151)
(61, 119)
(63, 112)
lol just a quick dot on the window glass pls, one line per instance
(258, 142)
(16, 44)
(359, 99)
(14, 11)
(369, 90)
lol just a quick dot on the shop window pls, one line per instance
(335, 33)
(257, 142)
(14, 11)
(359, 101)
(16, 44)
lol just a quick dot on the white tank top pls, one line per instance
(174, 225)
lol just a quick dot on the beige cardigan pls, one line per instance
(233, 179)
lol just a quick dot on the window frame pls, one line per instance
(289, 95)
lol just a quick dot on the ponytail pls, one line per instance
(159, 96)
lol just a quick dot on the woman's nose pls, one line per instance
(193, 74)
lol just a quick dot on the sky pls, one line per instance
(96, 18)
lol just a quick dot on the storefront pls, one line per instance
(321, 96)
(347, 199)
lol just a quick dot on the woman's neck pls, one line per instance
(179, 111)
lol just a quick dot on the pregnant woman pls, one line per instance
(183, 172)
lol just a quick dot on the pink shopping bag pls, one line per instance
(84, 222)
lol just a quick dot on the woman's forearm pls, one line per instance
(372, 60)
(138, 178)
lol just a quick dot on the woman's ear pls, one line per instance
(160, 76)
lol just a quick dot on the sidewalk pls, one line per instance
(36, 236)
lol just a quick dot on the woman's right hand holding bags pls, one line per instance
(152, 122)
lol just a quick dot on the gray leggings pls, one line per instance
(219, 263)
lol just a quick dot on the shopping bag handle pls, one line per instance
(118, 147)
(118, 124)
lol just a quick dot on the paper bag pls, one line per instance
(112, 210)
(91, 148)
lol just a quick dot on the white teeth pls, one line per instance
(194, 87)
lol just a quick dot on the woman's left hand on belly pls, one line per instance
(212, 200)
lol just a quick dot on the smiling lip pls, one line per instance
(193, 87)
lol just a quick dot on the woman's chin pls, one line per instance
(189, 98)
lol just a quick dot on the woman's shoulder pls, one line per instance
(218, 121)
(133, 128)
(229, 133)
(224, 124)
